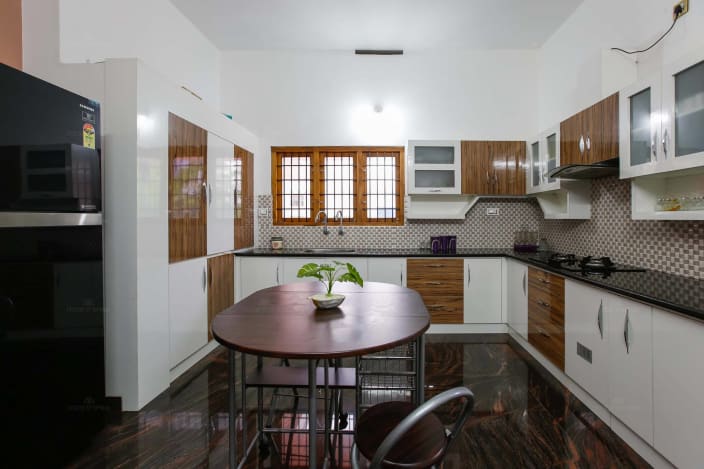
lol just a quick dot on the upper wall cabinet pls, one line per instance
(434, 167)
(543, 156)
(493, 167)
(662, 123)
(187, 189)
(591, 136)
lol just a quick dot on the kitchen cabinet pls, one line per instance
(387, 270)
(543, 156)
(220, 226)
(631, 364)
(591, 135)
(221, 286)
(678, 380)
(244, 198)
(517, 296)
(440, 283)
(546, 315)
(188, 315)
(494, 167)
(434, 167)
(255, 273)
(587, 339)
(187, 189)
(482, 291)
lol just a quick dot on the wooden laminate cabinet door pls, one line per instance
(603, 130)
(440, 283)
(221, 286)
(187, 181)
(476, 167)
(244, 199)
(508, 158)
(571, 130)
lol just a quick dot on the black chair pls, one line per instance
(394, 435)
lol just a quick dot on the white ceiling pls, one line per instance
(377, 24)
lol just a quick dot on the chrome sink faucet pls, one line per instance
(338, 215)
(323, 215)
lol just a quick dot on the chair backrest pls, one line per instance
(426, 408)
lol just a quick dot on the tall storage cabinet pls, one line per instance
(220, 195)
(137, 106)
(244, 198)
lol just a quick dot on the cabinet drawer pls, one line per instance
(435, 269)
(546, 307)
(549, 339)
(553, 285)
(427, 286)
(444, 309)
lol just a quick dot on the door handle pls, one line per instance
(210, 195)
(543, 304)
(210, 276)
(435, 190)
(546, 282)
(401, 278)
(469, 275)
(664, 142)
(277, 275)
(600, 319)
(654, 146)
(589, 143)
(525, 275)
(204, 279)
(433, 283)
(581, 144)
(627, 333)
(542, 332)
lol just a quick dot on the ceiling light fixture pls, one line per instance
(378, 51)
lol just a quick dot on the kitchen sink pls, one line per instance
(330, 250)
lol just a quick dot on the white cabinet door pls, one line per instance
(586, 339)
(434, 167)
(188, 309)
(678, 381)
(482, 291)
(221, 195)
(291, 265)
(517, 296)
(631, 364)
(256, 273)
(387, 270)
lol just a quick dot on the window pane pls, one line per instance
(382, 186)
(294, 183)
(339, 183)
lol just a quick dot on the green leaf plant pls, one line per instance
(328, 274)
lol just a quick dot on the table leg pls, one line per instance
(232, 407)
(312, 416)
(326, 426)
(420, 376)
(243, 385)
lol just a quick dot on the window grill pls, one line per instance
(339, 183)
(382, 194)
(294, 182)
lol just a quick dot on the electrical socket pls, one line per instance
(492, 211)
(684, 4)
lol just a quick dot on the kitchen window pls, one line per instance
(364, 183)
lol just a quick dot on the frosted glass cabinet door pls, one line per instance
(535, 164)
(641, 118)
(640, 128)
(551, 143)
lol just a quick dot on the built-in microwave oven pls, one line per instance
(50, 178)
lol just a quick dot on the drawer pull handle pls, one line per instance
(543, 333)
(433, 283)
(600, 319)
(434, 266)
(545, 281)
(435, 306)
(543, 303)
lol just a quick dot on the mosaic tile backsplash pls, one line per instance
(674, 247)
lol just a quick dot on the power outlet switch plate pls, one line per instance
(493, 211)
(684, 4)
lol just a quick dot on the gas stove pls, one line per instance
(587, 265)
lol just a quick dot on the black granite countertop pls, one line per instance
(684, 295)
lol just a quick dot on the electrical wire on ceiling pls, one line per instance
(677, 16)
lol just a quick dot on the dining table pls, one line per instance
(282, 322)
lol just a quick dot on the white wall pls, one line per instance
(327, 98)
(577, 67)
(74, 31)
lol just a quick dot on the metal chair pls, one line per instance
(394, 435)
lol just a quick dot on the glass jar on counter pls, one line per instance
(277, 242)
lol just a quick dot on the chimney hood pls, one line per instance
(586, 171)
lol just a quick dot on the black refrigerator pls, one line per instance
(51, 273)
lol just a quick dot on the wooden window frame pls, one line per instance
(317, 185)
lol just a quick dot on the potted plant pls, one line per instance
(328, 274)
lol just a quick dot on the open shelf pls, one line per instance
(572, 201)
(439, 207)
(646, 190)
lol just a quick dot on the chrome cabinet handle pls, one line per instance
(434, 266)
(543, 303)
(654, 146)
(600, 319)
(435, 306)
(589, 143)
(542, 332)
(525, 275)
(433, 283)
(487, 178)
(401, 278)
(435, 190)
(277, 275)
(205, 279)
(664, 142)
(210, 195)
(546, 282)
(469, 275)
(581, 144)
(627, 333)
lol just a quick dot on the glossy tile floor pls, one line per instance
(523, 418)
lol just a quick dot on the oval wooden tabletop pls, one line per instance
(282, 322)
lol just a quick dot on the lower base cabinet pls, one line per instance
(678, 384)
(188, 314)
(221, 286)
(255, 273)
(482, 291)
(517, 296)
(387, 270)
(439, 282)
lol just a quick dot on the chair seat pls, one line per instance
(422, 447)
